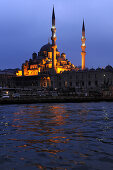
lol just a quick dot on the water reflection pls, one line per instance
(59, 114)
(56, 136)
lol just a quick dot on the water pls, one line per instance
(77, 136)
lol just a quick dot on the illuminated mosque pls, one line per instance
(50, 70)
(49, 59)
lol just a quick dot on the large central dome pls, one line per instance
(47, 47)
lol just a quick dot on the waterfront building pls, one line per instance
(51, 70)
(86, 81)
(48, 60)
(6, 79)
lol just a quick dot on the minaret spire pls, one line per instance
(83, 26)
(83, 46)
(53, 17)
(53, 38)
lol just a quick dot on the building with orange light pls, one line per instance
(48, 61)
(51, 70)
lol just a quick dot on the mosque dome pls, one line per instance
(47, 47)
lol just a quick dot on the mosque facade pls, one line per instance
(51, 70)
(49, 60)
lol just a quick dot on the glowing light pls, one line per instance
(83, 44)
(33, 66)
(54, 35)
(7, 92)
(19, 73)
(53, 26)
(59, 70)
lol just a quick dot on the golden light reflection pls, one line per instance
(41, 128)
(16, 113)
(83, 113)
(22, 146)
(58, 112)
(59, 139)
(80, 136)
(59, 117)
(83, 155)
(39, 166)
(17, 126)
(29, 146)
(50, 151)
(16, 121)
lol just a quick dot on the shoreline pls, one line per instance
(54, 99)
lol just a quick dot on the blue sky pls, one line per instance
(25, 26)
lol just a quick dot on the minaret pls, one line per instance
(53, 38)
(83, 46)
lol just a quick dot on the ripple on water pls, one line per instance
(56, 136)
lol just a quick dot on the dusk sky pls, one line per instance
(25, 26)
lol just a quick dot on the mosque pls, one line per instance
(49, 60)
(51, 70)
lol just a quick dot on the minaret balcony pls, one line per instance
(53, 29)
(54, 38)
(83, 48)
(83, 53)
(54, 46)
(83, 39)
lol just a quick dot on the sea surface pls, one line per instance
(77, 136)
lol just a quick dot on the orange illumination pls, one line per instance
(19, 73)
(32, 72)
(33, 66)
(59, 70)
(59, 64)
(62, 69)
(83, 47)
(50, 55)
(83, 60)
(39, 69)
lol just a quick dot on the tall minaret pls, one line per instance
(83, 46)
(53, 38)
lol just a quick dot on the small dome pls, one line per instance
(109, 68)
(63, 54)
(47, 47)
